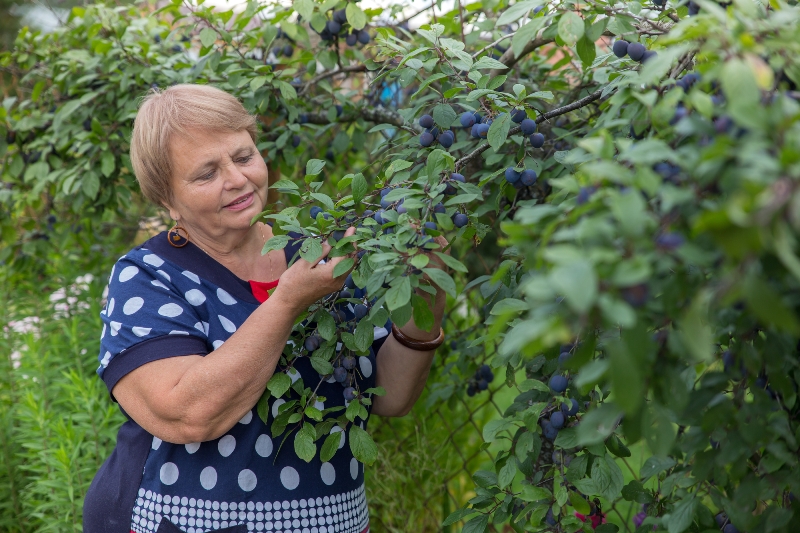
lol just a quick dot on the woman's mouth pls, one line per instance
(240, 203)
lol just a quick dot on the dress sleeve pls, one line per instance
(146, 319)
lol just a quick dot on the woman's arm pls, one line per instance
(401, 370)
(198, 398)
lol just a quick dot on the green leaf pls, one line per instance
(326, 326)
(278, 384)
(577, 281)
(617, 447)
(570, 27)
(579, 503)
(343, 266)
(362, 445)
(364, 335)
(314, 167)
(510, 305)
(493, 427)
(586, 51)
(457, 516)
(263, 406)
(276, 242)
(598, 424)
(531, 493)
(451, 262)
(533, 384)
(634, 491)
(655, 465)
(304, 445)
(321, 365)
(311, 249)
(324, 199)
(526, 34)
(284, 183)
(330, 446)
(421, 311)
(681, 516)
(208, 37)
(478, 524)
(396, 166)
(488, 62)
(107, 164)
(516, 12)
(305, 8)
(741, 91)
(90, 185)
(507, 473)
(359, 187)
(498, 131)
(607, 477)
(626, 378)
(768, 306)
(442, 279)
(399, 295)
(355, 16)
(444, 115)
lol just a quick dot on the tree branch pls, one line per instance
(509, 60)
(586, 100)
(330, 73)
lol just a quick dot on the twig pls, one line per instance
(509, 60)
(586, 100)
(328, 74)
(498, 41)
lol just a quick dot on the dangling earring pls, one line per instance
(175, 238)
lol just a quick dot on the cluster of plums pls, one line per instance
(480, 380)
(344, 365)
(445, 138)
(334, 26)
(479, 128)
(724, 524)
(526, 177)
(634, 50)
(286, 49)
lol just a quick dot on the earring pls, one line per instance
(175, 238)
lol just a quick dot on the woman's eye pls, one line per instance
(207, 176)
(246, 159)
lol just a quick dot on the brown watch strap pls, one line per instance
(414, 344)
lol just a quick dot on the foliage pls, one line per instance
(648, 266)
(57, 424)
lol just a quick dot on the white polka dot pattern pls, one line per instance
(195, 297)
(140, 331)
(170, 310)
(226, 445)
(128, 273)
(154, 260)
(225, 298)
(340, 513)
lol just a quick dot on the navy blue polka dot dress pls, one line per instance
(166, 302)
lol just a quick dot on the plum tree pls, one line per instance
(636, 274)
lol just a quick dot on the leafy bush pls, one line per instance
(646, 223)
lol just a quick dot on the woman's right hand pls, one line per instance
(305, 282)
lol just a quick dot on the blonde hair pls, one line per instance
(165, 114)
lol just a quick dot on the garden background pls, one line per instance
(650, 260)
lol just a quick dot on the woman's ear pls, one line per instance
(273, 175)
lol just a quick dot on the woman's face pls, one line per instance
(219, 181)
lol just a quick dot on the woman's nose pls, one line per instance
(234, 177)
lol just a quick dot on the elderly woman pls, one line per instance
(192, 334)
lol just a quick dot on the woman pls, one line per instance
(191, 336)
